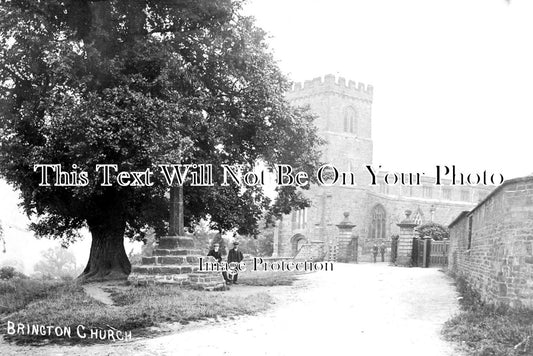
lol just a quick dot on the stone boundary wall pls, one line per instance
(312, 251)
(492, 245)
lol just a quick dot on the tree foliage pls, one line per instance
(261, 245)
(434, 230)
(9, 272)
(56, 262)
(137, 84)
(2, 238)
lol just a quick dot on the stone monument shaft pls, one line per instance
(176, 212)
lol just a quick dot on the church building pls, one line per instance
(344, 120)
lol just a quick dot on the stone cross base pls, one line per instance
(175, 261)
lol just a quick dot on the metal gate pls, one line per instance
(439, 253)
(422, 253)
(394, 248)
(353, 250)
(429, 253)
(415, 251)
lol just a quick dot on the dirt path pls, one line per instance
(96, 291)
(362, 309)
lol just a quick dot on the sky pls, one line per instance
(453, 84)
(453, 79)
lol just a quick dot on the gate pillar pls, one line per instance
(405, 240)
(345, 236)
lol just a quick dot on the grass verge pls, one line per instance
(485, 330)
(268, 279)
(68, 306)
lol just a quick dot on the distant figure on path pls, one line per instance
(382, 250)
(236, 256)
(375, 252)
(215, 253)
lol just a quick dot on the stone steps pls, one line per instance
(206, 281)
(176, 261)
(164, 269)
(142, 279)
(179, 252)
(171, 260)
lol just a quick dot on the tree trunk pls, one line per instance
(108, 259)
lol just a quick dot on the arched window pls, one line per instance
(418, 217)
(350, 120)
(377, 222)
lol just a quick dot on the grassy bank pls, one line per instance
(67, 305)
(483, 330)
(16, 293)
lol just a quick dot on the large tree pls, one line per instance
(137, 84)
(56, 262)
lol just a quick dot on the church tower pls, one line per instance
(344, 121)
(344, 110)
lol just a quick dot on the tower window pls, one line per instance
(350, 120)
(299, 219)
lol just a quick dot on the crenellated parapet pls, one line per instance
(329, 83)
